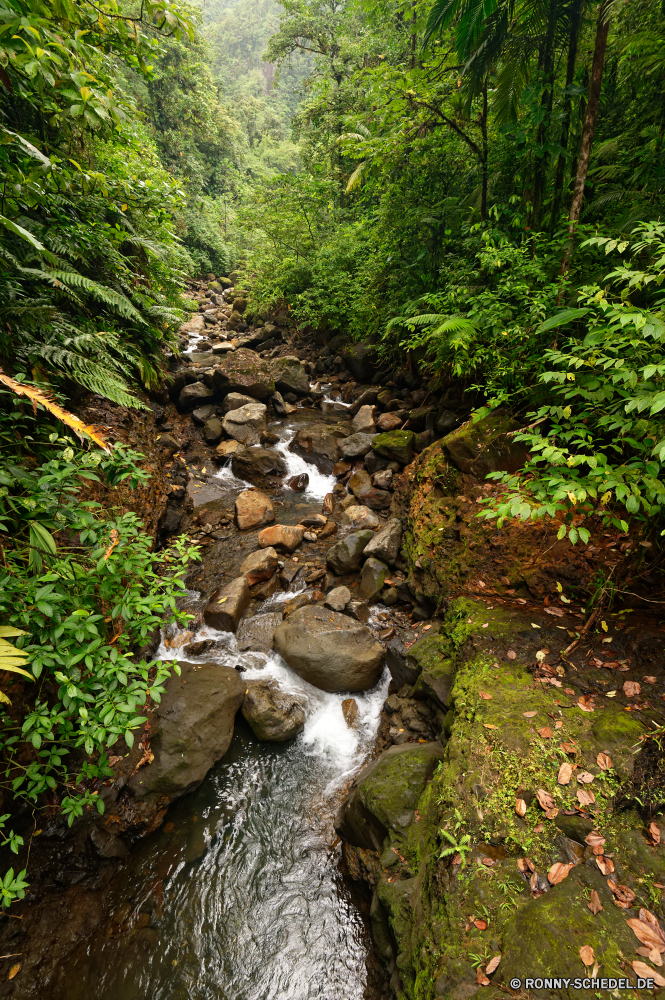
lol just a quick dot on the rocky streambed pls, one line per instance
(398, 759)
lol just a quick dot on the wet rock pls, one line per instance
(486, 446)
(358, 610)
(252, 509)
(309, 536)
(366, 398)
(350, 712)
(356, 445)
(300, 601)
(203, 413)
(245, 372)
(212, 430)
(224, 348)
(298, 483)
(318, 444)
(347, 501)
(395, 445)
(446, 422)
(226, 448)
(338, 598)
(385, 793)
(227, 605)
(289, 375)
(364, 420)
(328, 504)
(373, 574)
(346, 554)
(283, 537)
(235, 400)
(246, 423)
(422, 440)
(337, 655)
(254, 464)
(361, 362)
(193, 325)
(360, 482)
(313, 521)
(268, 439)
(262, 591)
(389, 596)
(108, 844)
(329, 530)
(383, 480)
(385, 543)
(255, 634)
(192, 729)
(388, 422)
(193, 396)
(358, 516)
(274, 716)
(282, 408)
(376, 499)
(199, 647)
(168, 443)
(259, 565)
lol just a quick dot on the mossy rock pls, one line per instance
(486, 446)
(395, 445)
(615, 728)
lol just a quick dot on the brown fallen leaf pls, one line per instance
(622, 893)
(585, 797)
(606, 865)
(481, 925)
(594, 903)
(585, 777)
(493, 965)
(526, 864)
(511, 654)
(552, 813)
(520, 807)
(585, 703)
(569, 748)
(587, 955)
(653, 955)
(604, 762)
(488, 725)
(529, 715)
(546, 733)
(649, 680)
(485, 696)
(14, 971)
(545, 799)
(569, 691)
(538, 828)
(631, 689)
(565, 773)
(533, 882)
(558, 724)
(647, 930)
(481, 978)
(594, 840)
(646, 972)
(558, 872)
(654, 833)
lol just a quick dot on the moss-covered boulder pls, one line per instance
(244, 371)
(395, 445)
(486, 445)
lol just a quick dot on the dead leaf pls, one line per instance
(493, 965)
(485, 696)
(587, 955)
(606, 865)
(585, 703)
(552, 813)
(648, 930)
(631, 689)
(565, 773)
(649, 680)
(558, 872)
(654, 833)
(511, 654)
(558, 725)
(538, 828)
(481, 978)
(585, 777)
(533, 882)
(520, 807)
(594, 903)
(529, 715)
(546, 733)
(14, 971)
(594, 840)
(480, 924)
(526, 864)
(653, 955)
(646, 972)
(569, 748)
(585, 797)
(604, 762)
(488, 725)
(545, 799)
(569, 691)
(623, 896)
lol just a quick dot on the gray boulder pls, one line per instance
(245, 372)
(337, 599)
(385, 543)
(289, 375)
(364, 421)
(331, 651)
(193, 396)
(227, 604)
(319, 444)
(235, 400)
(274, 716)
(255, 634)
(358, 516)
(255, 464)
(212, 430)
(246, 423)
(355, 445)
(395, 445)
(259, 565)
(373, 574)
(203, 413)
(345, 555)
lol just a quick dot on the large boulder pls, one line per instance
(289, 375)
(244, 371)
(193, 325)
(192, 728)
(212, 430)
(361, 361)
(331, 651)
(397, 446)
(486, 446)
(318, 444)
(364, 421)
(246, 423)
(385, 543)
(235, 400)
(283, 537)
(253, 509)
(385, 794)
(193, 396)
(255, 464)
(358, 516)
(388, 422)
(337, 598)
(372, 578)
(259, 565)
(274, 716)
(227, 605)
(255, 634)
(356, 445)
(359, 482)
(346, 555)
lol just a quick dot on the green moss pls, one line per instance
(616, 728)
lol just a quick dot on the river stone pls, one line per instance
(274, 716)
(255, 634)
(226, 448)
(350, 712)
(246, 423)
(235, 400)
(212, 430)
(254, 464)
(346, 554)
(319, 444)
(356, 445)
(338, 598)
(395, 445)
(193, 395)
(252, 509)
(244, 371)
(388, 422)
(334, 655)
(227, 604)
(358, 516)
(359, 482)
(259, 565)
(383, 480)
(168, 443)
(298, 483)
(385, 793)
(297, 602)
(385, 543)
(289, 375)
(486, 446)
(376, 499)
(364, 420)
(192, 728)
(284, 537)
(282, 408)
(361, 362)
(358, 609)
(193, 325)
(203, 413)
(373, 575)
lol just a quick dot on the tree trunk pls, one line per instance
(483, 129)
(575, 21)
(540, 171)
